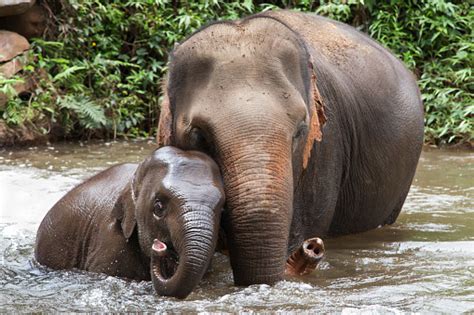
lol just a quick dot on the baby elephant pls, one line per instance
(158, 220)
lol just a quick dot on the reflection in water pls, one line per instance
(424, 262)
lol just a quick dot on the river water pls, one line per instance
(423, 263)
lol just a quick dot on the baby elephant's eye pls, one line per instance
(158, 209)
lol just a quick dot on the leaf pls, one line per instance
(67, 73)
(90, 114)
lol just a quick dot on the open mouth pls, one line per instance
(164, 260)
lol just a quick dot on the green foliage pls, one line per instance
(89, 114)
(435, 38)
(101, 74)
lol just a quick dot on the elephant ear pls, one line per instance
(317, 118)
(163, 137)
(124, 212)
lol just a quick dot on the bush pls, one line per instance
(100, 76)
(435, 39)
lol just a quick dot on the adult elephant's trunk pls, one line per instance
(258, 183)
(194, 238)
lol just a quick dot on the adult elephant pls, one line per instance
(316, 128)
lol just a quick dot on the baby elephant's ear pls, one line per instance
(124, 212)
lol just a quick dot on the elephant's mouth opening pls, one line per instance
(165, 260)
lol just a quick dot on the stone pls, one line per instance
(15, 135)
(29, 24)
(11, 45)
(12, 67)
(15, 7)
(13, 58)
(19, 88)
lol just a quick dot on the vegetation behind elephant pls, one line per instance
(316, 128)
(166, 210)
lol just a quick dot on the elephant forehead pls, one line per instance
(191, 181)
(196, 191)
(248, 35)
(260, 55)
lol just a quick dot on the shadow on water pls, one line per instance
(422, 263)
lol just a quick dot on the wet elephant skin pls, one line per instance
(166, 210)
(316, 129)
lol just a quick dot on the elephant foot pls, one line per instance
(306, 258)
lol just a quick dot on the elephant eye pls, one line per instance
(198, 141)
(196, 138)
(302, 128)
(158, 209)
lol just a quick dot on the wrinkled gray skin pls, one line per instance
(316, 128)
(101, 226)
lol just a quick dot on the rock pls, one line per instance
(12, 67)
(20, 88)
(13, 57)
(19, 135)
(14, 7)
(31, 23)
(11, 45)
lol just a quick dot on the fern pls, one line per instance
(90, 114)
(111, 55)
(67, 73)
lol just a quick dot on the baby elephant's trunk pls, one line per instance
(195, 241)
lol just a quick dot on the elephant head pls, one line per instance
(174, 202)
(250, 101)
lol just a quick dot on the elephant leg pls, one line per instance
(222, 243)
(306, 258)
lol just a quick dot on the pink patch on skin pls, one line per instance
(158, 246)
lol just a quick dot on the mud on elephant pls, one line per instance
(316, 129)
(165, 210)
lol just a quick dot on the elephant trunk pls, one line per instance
(195, 242)
(259, 198)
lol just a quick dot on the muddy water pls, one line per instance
(423, 263)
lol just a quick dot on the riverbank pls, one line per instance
(21, 136)
(97, 67)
